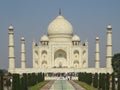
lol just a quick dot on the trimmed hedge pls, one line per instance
(23, 82)
(113, 81)
(85, 77)
(119, 81)
(107, 81)
(26, 80)
(1, 79)
(1, 82)
(95, 80)
(16, 82)
(100, 81)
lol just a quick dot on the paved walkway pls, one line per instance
(76, 86)
(7, 88)
(62, 85)
(47, 86)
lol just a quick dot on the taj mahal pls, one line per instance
(60, 51)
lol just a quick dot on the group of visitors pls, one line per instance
(7, 82)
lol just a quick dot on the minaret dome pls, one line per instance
(22, 38)
(97, 38)
(109, 27)
(11, 27)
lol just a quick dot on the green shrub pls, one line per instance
(113, 81)
(1, 82)
(100, 81)
(107, 81)
(95, 80)
(16, 82)
(23, 82)
(119, 81)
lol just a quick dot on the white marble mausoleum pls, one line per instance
(60, 51)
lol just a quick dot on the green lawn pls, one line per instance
(86, 86)
(38, 86)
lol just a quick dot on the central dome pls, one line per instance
(60, 26)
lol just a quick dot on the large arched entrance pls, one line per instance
(60, 59)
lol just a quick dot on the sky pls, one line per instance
(31, 18)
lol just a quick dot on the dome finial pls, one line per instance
(59, 11)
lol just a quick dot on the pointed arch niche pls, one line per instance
(60, 59)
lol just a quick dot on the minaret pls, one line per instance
(97, 54)
(11, 55)
(109, 47)
(23, 62)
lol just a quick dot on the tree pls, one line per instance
(103, 78)
(116, 63)
(95, 81)
(89, 78)
(43, 77)
(23, 82)
(16, 82)
(100, 81)
(113, 81)
(1, 72)
(119, 81)
(29, 80)
(107, 81)
(1, 82)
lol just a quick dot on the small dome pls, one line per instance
(109, 27)
(97, 38)
(22, 38)
(11, 27)
(75, 38)
(60, 26)
(44, 38)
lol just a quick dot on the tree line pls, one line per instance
(22, 82)
(101, 81)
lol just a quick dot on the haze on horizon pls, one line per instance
(31, 19)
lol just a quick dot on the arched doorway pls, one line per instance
(60, 58)
(60, 64)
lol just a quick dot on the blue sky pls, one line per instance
(32, 17)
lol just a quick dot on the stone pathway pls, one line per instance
(7, 88)
(47, 86)
(62, 85)
(76, 86)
